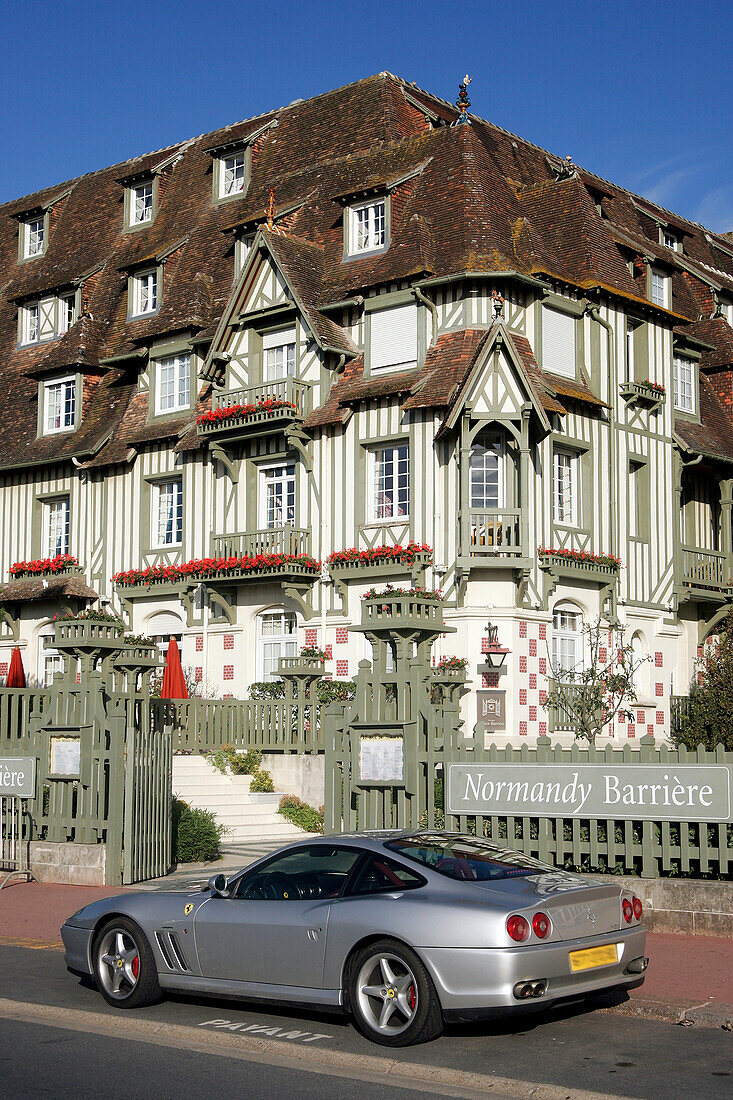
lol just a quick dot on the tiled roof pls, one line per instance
(713, 436)
(465, 199)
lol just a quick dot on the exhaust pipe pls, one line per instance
(535, 988)
(637, 966)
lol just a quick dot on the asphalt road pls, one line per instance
(183, 1044)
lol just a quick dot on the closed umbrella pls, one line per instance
(16, 672)
(174, 683)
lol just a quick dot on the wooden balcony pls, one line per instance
(706, 574)
(268, 540)
(263, 409)
(492, 537)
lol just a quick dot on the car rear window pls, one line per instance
(466, 858)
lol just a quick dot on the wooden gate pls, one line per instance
(146, 841)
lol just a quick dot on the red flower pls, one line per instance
(204, 568)
(42, 565)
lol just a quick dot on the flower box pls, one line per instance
(217, 569)
(579, 561)
(650, 394)
(380, 560)
(65, 565)
(263, 408)
(88, 634)
(402, 609)
(304, 666)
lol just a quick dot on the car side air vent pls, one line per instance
(176, 949)
(171, 951)
(164, 950)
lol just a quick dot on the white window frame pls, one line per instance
(565, 487)
(726, 308)
(367, 231)
(480, 473)
(242, 246)
(565, 366)
(166, 521)
(684, 389)
(145, 212)
(567, 641)
(30, 323)
(390, 484)
(228, 167)
(65, 410)
(50, 661)
(34, 243)
(278, 496)
(66, 313)
(57, 526)
(145, 286)
(658, 287)
(173, 383)
(279, 355)
(279, 643)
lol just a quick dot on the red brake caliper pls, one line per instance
(136, 966)
(411, 997)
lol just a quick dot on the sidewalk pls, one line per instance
(690, 978)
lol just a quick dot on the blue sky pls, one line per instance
(636, 90)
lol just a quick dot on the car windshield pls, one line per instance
(463, 857)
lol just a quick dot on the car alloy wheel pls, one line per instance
(392, 997)
(124, 965)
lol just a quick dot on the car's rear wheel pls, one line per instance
(392, 997)
(124, 967)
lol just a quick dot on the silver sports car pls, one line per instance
(401, 929)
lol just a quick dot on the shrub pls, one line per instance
(261, 782)
(709, 721)
(301, 814)
(196, 834)
(236, 763)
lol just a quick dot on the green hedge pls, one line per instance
(196, 834)
(301, 814)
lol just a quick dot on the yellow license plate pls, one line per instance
(606, 955)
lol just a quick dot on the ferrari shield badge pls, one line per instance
(188, 909)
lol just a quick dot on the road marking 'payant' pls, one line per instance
(266, 1029)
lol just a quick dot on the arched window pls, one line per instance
(567, 641)
(277, 636)
(161, 626)
(638, 653)
(486, 464)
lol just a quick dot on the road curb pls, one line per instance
(671, 1012)
(322, 1060)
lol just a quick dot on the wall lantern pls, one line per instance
(495, 654)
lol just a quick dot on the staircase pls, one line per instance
(247, 817)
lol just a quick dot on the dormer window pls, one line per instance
(59, 405)
(684, 383)
(67, 312)
(173, 384)
(31, 323)
(231, 173)
(144, 293)
(141, 203)
(367, 227)
(278, 350)
(34, 237)
(658, 288)
(670, 241)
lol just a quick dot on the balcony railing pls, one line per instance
(264, 407)
(269, 540)
(494, 532)
(706, 569)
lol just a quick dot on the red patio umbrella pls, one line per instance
(174, 684)
(16, 672)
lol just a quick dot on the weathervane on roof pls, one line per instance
(463, 102)
(566, 170)
(270, 209)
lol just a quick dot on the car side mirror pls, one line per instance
(218, 885)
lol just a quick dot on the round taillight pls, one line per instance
(541, 925)
(518, 928)
(628, 910)
(637, 908)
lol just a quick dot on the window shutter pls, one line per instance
(558, 343)
(48, 318)
(394, 337)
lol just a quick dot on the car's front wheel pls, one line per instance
(124, 966)
(392, 997)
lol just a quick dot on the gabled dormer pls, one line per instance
(231, 165)
(34, 226)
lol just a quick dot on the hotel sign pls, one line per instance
(642, 792)
(17, 776)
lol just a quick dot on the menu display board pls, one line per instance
(382, 758)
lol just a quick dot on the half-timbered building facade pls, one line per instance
(367, 320)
